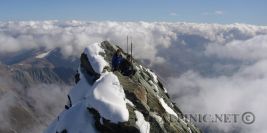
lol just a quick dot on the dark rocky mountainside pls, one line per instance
(28, 79)
(31, 67)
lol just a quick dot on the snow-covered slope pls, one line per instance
(42, 55)
(108, 102)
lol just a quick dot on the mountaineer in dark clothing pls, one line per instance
(126, 67)
(116, 60)
(77, 77)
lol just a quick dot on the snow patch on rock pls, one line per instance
(141, 123)
(153, 75)
(42, 55)
(130, 103)
(96, 60)
(108, 98)
(155, 86)
(157, 118)
(165, 90)
(167, 107)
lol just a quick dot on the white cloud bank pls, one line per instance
(72, 36)
(250, 50)
(210, 68)
(245, 90)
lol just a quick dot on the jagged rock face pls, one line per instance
(145, 96)
(144, 92)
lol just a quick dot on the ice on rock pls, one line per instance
(96, 60)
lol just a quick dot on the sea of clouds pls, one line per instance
(207, 68)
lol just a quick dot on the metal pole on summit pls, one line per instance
(131, 51)
(127, 44)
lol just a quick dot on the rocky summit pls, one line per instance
(103, 101)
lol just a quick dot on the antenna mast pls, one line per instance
(127, 44)
(131, 50)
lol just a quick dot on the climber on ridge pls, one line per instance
(126, 67)
(116, 60)
(77, 77)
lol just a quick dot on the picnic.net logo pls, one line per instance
(246, 118)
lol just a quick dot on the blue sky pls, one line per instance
(204, 11)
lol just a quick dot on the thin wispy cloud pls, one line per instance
(173, 14)
(214, 13)
(219, 12)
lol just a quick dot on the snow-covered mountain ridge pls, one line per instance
(107, 102)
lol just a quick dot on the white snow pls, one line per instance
(75, 120)
(141, 123)
(189, 129)
(106, 95)
(141, 67)
(157, 118)
(154, 76)
(79, 91)
(137, 68)
(165, 90)
(155, 86)
(42, 55)
(130, 103)
(167, 107)
(108, 98)
(97, 61)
